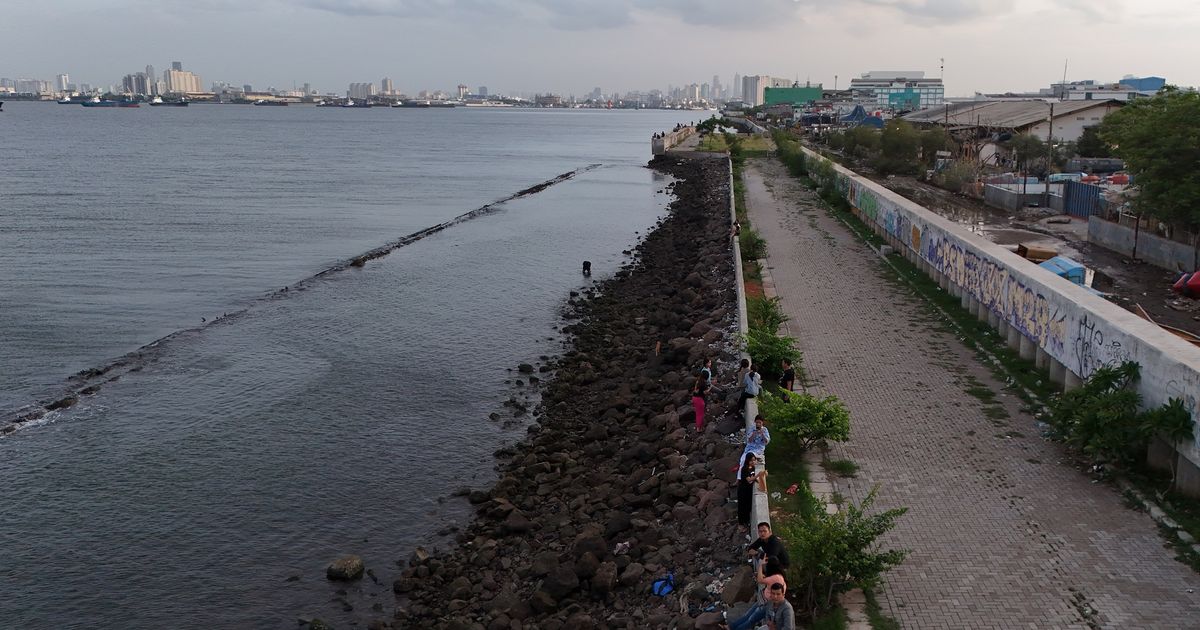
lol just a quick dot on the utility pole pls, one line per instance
(1050, 155)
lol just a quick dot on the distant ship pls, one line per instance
(425, 103)
(67, 101)
(353, 103)
(158, 102)
(96, 102)
(265, 103)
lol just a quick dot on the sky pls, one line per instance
(571, 46)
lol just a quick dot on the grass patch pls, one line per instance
(875, 614)
(832, 620)
(840, 467)
(713, 142)
(785, 461)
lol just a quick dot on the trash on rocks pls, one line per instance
(621, 548)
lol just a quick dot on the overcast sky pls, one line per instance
(571, 46)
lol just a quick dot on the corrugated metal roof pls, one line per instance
(1002, 114)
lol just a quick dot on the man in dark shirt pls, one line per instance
(788, 380)
(772, 550)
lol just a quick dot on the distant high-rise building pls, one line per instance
(61, 82)
(180, 81)
(308, 91)
(247, 87)
(463, 91)
(361, 90)
(153, 78)
(735, 86)
(483, 90)
(386, 88)
(715, 90)
(177, 65)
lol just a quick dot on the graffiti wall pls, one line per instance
(1079, 330)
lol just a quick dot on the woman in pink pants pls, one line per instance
(699, 389)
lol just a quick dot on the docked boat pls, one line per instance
(262, 102)
(353, 103)
(158, 102)
(67, 101)
(424, 103)
(96, 102)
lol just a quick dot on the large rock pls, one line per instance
(345, 568)
(561, 582)
(632, 574)
(516, 523)
(740, 587)
(605, 579)
(544, 563)
(586, 565)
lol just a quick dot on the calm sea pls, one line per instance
(211, 485)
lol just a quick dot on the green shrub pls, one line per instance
(768, 351)
(1100, 418)
(957, 176)
(752, 244)
(765, 313)
(834, 553)
(807, 419)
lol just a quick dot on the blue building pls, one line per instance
(1144, 84)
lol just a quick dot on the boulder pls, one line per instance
(586, 565)
(561, 582)
(632, 574)
(741, 586)
(605, 579)
(345, 568)
(543, 563)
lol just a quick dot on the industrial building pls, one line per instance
(899, 90)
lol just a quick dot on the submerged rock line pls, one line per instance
(88, 382)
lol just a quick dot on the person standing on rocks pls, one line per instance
(747, 475)
(774, 554)
(699, 391)
(751, 386)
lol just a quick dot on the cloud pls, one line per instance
(943, 11)
(573, 14)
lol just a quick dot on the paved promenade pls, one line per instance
(1002, 534)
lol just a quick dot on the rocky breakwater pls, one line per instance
(613, 488)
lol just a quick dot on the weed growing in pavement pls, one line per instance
(875, 615)
(840, 467)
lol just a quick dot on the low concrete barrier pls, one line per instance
(1162, 252)
(659, 146)
(760, 512)
(1045, 318)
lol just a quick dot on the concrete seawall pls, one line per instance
(1062, 327)
(659, 146)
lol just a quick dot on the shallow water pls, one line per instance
(332, 420)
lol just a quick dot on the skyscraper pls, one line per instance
(61, 82)
(386, 87)
(463, 91)
(177, 65)
(483, 90)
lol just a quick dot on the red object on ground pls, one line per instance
(1188, 285)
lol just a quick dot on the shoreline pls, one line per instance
(613, 458)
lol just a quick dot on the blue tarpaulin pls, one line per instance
(1066, 268)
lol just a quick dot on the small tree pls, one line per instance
(834, 553)
(898, 146)
(1090, 145)
(932, 141)
(768, 351)
(807, 419)
(1028, 149)
(1159, 139)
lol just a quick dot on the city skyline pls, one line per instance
(540, 46)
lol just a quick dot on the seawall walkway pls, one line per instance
(1002, 534)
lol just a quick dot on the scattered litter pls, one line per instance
(621, 548)
(792, 489)
(776, 496)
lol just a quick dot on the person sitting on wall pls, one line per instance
(774, 555)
